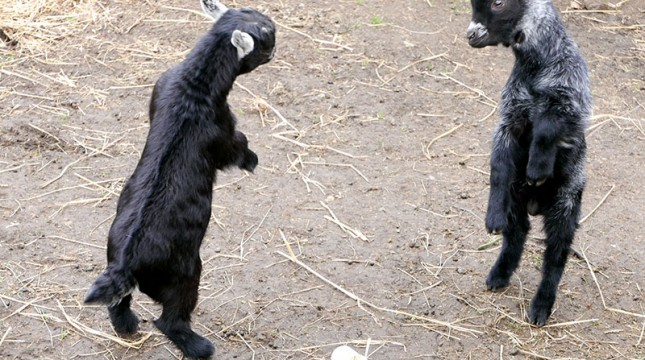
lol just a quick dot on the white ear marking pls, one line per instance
(213, 9)
(243, 42)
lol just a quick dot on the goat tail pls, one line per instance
(115, 283)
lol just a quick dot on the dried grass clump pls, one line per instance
(29, 27)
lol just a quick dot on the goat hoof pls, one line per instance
(540, 310)
(538, 316)
(495, 224)
(197, 347)
(249, 162)
(126, 324)
(494, 282)
(534, 182)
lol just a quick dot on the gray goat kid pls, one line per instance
(539, 145)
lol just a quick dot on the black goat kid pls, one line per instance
(539, 145)
(164, 209)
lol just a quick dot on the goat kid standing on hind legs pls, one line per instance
(539, 145)
(165, 206)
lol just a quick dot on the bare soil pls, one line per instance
(373, 127)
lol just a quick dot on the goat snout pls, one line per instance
(475, 33)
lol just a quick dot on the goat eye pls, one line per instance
(497, 4)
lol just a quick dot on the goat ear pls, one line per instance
(213, 8)
(243, 42)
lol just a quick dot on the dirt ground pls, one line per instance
(373, 127)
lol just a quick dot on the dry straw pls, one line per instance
(424, 321)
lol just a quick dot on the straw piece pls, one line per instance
(360, 301)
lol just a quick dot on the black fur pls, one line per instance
(539, 145)
(165, 206)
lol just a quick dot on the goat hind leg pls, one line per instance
(122, 317)
(512, 246)
(174, 321)
(560, 224)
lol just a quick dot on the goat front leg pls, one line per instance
(542, 153)
(550, 128)
(247, 159)
(501, 175)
